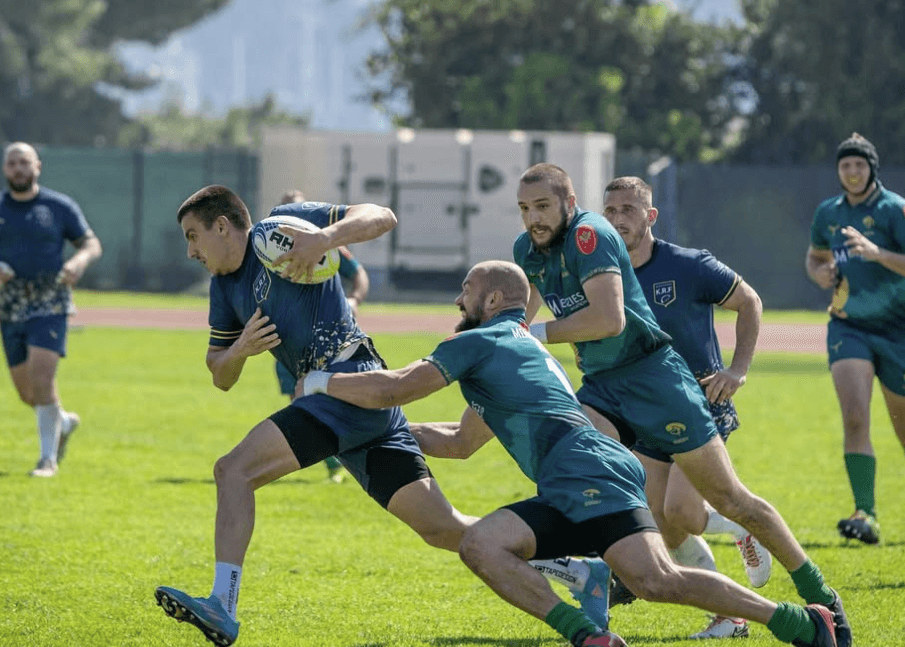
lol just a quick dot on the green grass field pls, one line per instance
(133, 508)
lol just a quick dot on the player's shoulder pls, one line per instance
(51, 197)
(828, 206)
(891, 200)
(521, 247)
(588, 230)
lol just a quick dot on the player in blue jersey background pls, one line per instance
(590, 489)
(36, 292)
(681, 286)
(858, 249)
(634, 385)
(355, 284)
(306, 327)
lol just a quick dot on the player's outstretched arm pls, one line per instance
(378, 389)
(452, 439)
(226, 363)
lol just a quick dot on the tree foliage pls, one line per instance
(821, 69)
(635, 68)
(56, 59)
(173, 128)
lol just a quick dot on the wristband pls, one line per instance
(316, 382)
(539, 330)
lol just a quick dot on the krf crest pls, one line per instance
(664, 293)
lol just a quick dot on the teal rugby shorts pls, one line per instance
(658, 399)
(588, 475)
(845, 340)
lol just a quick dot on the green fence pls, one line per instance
(130, 198)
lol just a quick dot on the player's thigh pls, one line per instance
(683, 504)
(853, 379)
(503, 530)
(263, 456)
(421, 505)
(657, 472)
(639, 559)
(600, 422)
(895, 405)
(709, 469)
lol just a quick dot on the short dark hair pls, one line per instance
(559, 180)
(631, 183)
(213, 201)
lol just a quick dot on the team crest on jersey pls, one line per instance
(586, 239)
(664, 293)
(832, 229)
(869, 223)
(675, 428)
(262, 285)
(42, 214)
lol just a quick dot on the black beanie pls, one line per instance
(857, 145)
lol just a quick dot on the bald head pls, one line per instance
(506, 278)
(22, 148)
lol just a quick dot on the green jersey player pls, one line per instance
(589, 487)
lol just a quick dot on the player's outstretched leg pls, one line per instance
(205, 613)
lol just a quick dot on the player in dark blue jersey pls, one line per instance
(355, 284)
(36, 292)
(590, 489)
(633, 380)
(306, 327)
(681, 287)
(858, 248)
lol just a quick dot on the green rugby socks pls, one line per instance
(862, 472)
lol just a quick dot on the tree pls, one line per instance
(57, 59)
(820, 69)
(637, 69)
(173, 128)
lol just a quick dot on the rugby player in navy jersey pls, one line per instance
(356, 285)
(590, 489)
(635, 385)
(681, 287)
(36, 292)
(306, 327)
(858, 249)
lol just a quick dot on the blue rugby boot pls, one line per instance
(595, 596)
(205, 613)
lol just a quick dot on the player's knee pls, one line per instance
(226, 471)
(677, 513)
(474, 549)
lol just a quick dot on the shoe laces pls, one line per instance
(749, 551)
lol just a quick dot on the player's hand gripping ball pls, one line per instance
(269, 244)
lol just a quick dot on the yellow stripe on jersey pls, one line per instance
(225, 335)
(334, 214)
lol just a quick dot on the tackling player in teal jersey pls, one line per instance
(633, 380)
(858, 248)
(589, 487)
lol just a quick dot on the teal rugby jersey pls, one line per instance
(314, 322)
(514, 385)
(868, 294)
(590, 247)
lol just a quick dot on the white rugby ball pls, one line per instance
(270, 243)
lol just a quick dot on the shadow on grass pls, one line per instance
(209, 481)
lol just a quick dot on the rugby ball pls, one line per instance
(270, 243)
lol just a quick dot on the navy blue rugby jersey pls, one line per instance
(314, 322)
(681, 286)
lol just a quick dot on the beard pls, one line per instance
(559, 233)
(20, 187)
(470, 321)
